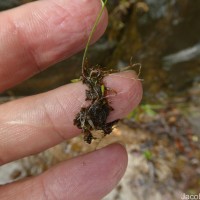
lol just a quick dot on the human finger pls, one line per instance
(39, 34)
(33, 124)
(88, 177)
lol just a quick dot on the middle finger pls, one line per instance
(33, 124)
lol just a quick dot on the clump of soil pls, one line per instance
(94, 116)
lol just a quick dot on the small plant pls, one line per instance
(94, 116)
(149, 110)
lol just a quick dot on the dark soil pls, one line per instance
(94, 116)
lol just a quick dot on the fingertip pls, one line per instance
(128, 95)
(115, 158)
(91, 176)
(118, 154)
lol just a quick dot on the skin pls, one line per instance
(32, 38)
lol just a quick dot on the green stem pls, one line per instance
(104, 2)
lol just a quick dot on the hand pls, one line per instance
(33, 37)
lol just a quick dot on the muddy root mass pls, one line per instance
(94, 116)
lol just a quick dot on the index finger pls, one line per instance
(39, 34)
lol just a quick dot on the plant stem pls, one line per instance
(92, 32)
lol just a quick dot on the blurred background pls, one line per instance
(162, 134)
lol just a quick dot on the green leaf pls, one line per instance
(75, 80)
(102, 89)
(148, 109)
(147, 154)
